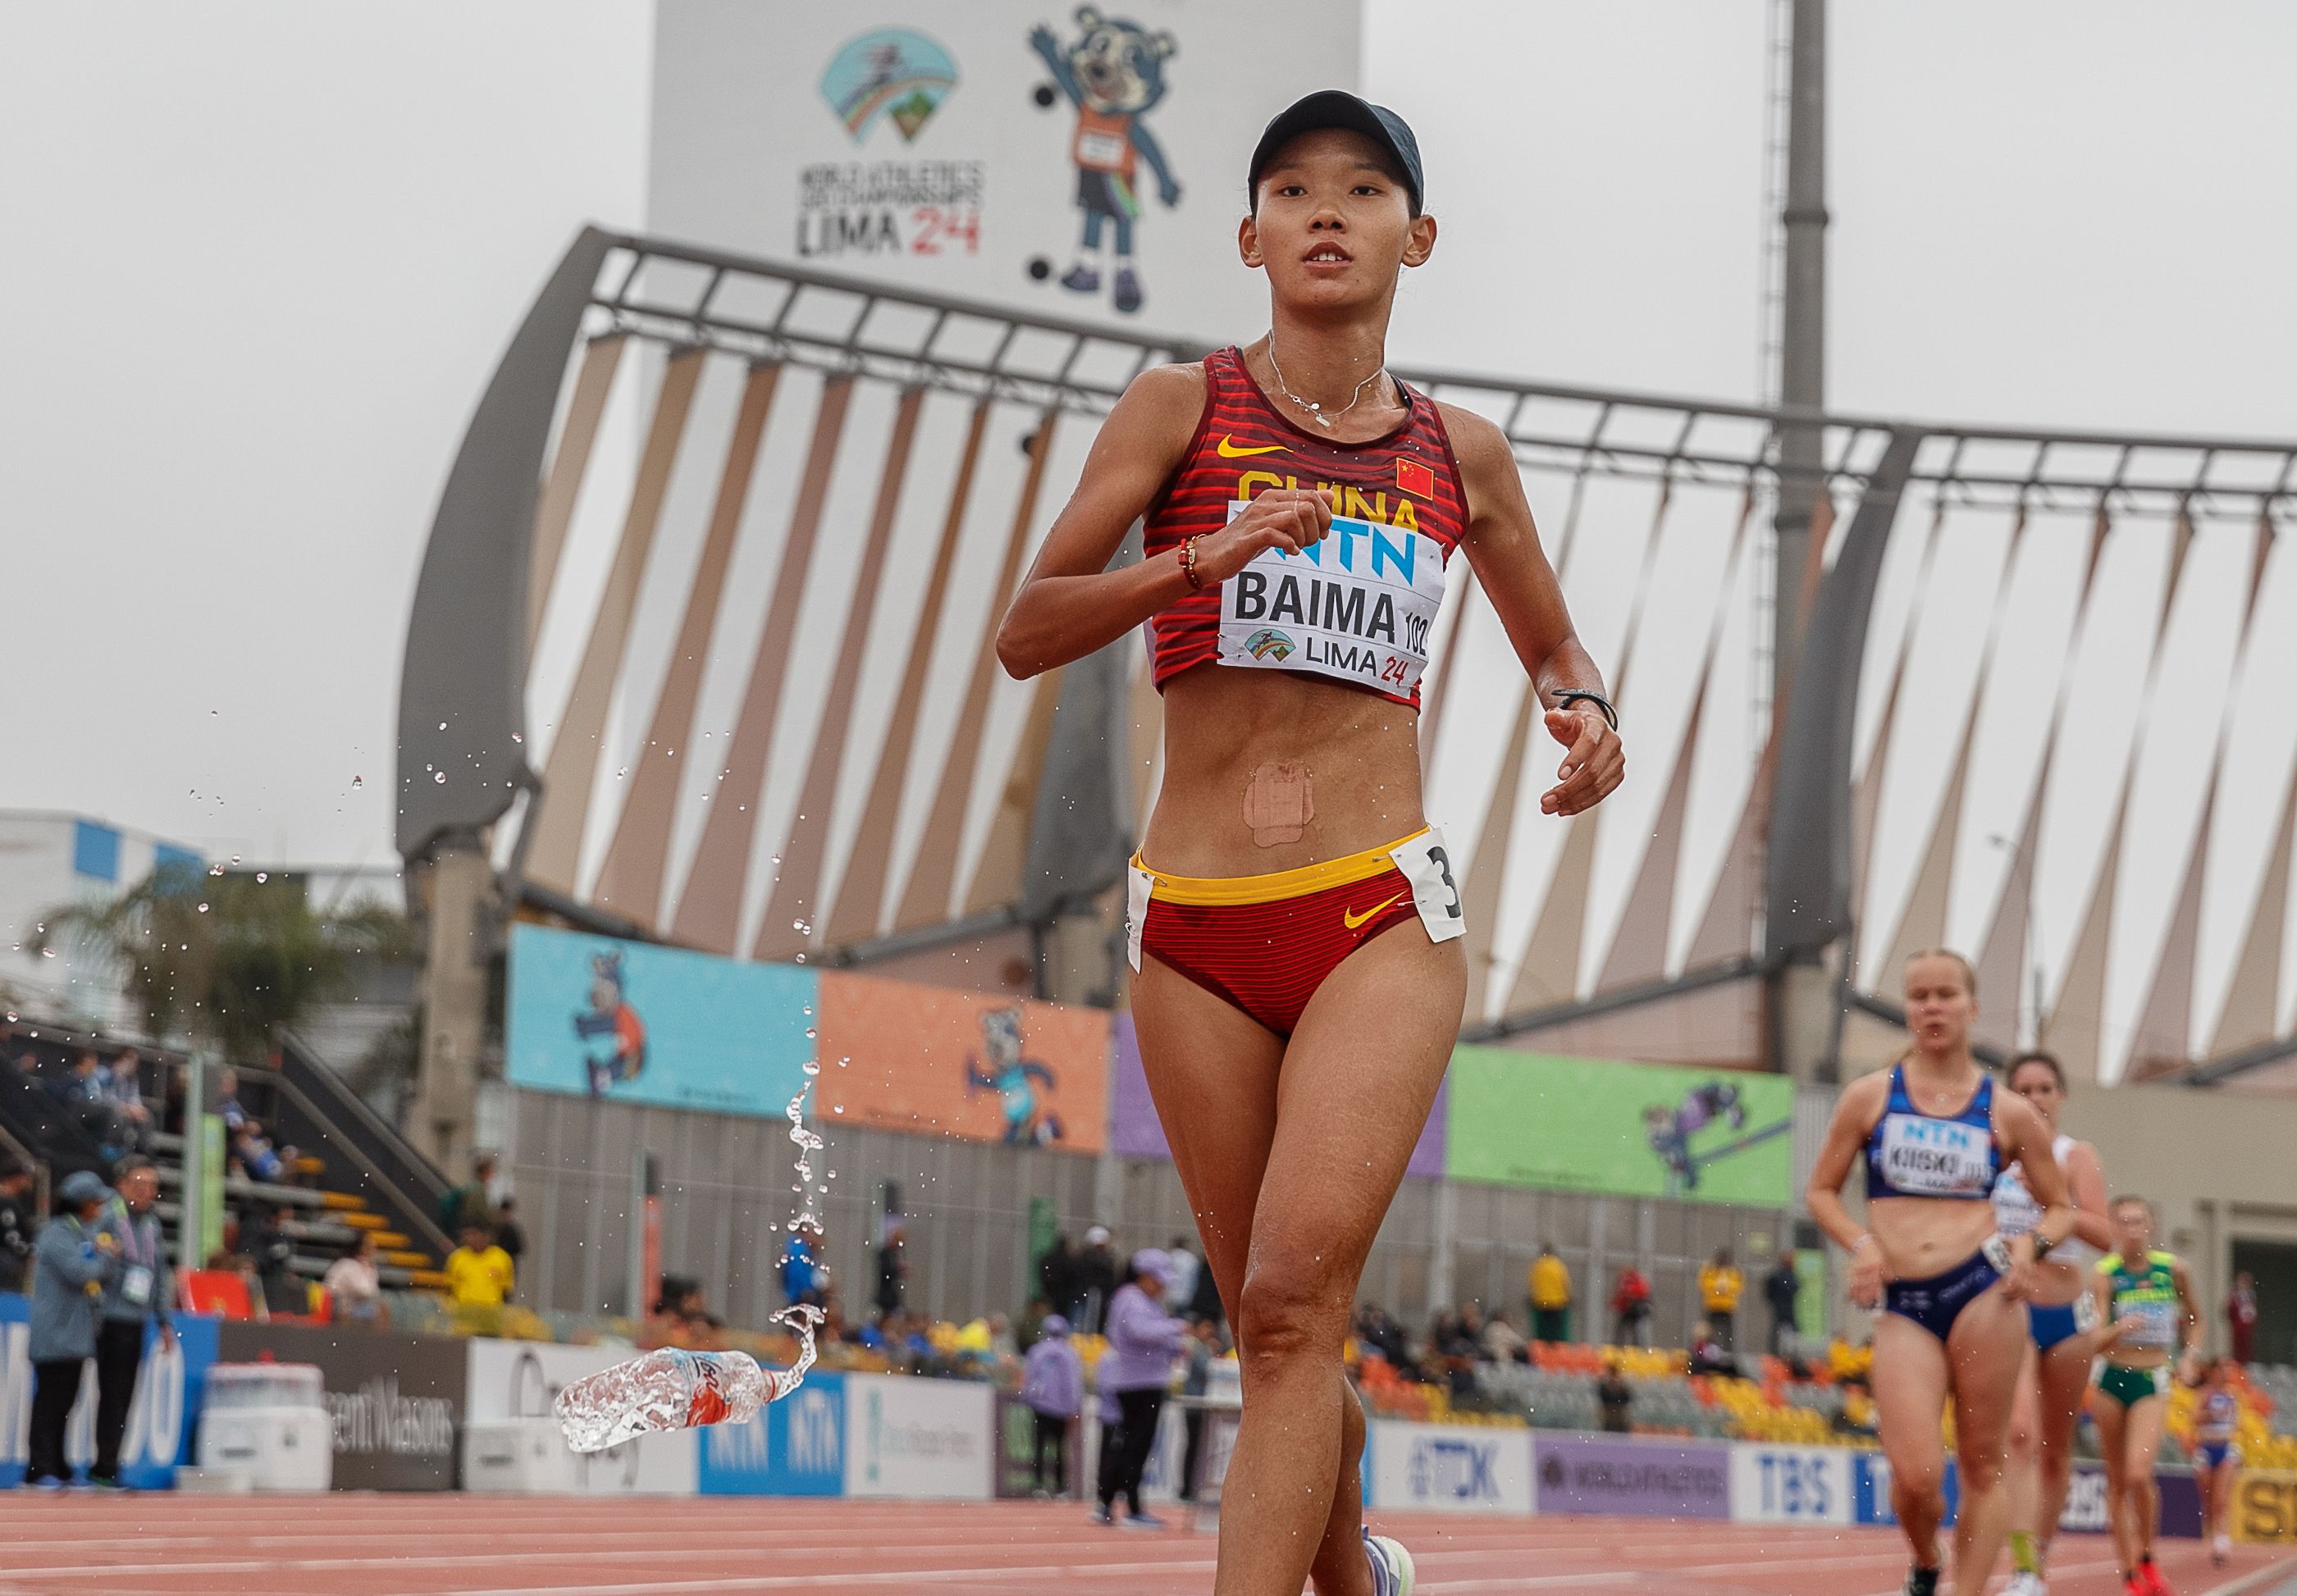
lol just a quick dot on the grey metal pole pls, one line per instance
(190, 1220)
(1802, 344)
(634, 1257)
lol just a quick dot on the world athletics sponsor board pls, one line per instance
(793, 1447)
(1645, 1478)
(163, 1417)
(521, 1379)
(1555, 1123)
(395, 1401)
(917, 1437)
(1447, 1468)
(631, 1023)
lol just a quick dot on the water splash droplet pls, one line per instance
(263, 876)
(204, 908)
(800, 928)
(359, 781)
(440, 778)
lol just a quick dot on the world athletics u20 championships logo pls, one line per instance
(1268, 641)
(888, 72)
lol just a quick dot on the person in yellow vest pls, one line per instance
(1720, 1284)
(1551, 1296)
(478, 1272)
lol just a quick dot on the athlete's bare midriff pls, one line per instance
(1924, 1235)
(1222, 726)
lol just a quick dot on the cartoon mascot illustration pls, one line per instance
(1014, 1079)
(611, 1020)
(1669, 1130)
(1113, 75)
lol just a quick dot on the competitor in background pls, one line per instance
(2217, 1411)
(1294, 920)
(1935, 1135)
(2061, 1323)
(2146, 1298)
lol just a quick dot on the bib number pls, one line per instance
(135, 1286)
(1427, 865)
(1138, 884)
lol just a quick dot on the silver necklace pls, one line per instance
(1310, 406)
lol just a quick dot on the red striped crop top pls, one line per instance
(1356, 608)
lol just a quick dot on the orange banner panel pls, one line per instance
(934, 1062)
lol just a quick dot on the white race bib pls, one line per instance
(1104, 151)
(1138, 886)
(1356, 606)
(1427, 865)
(1937, 1157)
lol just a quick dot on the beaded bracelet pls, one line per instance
(1189, 562)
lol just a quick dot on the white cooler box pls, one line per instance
(517, 1454)
(270, 1423)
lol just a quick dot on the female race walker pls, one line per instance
(1935, 1135)
(2145, 1297)
(1300, 506)
(2061, 1322)
(2217, 1416)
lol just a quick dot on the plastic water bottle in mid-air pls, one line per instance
(667, 1390)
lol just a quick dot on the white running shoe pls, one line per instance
(2221, 1548)
(2025, 1584)
(1392, 1573)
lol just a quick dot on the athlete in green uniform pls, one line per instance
(2145, 1297)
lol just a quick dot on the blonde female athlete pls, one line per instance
(2060, 1319)
(1292, 915)
(2146, 1298)
(1934, 1135)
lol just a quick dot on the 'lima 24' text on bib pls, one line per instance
(1356, 607)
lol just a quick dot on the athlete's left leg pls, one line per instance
(1358, 1080)
(2063, 1380)
(1985, 1348)
(2023, 1465)
(2140, 1438)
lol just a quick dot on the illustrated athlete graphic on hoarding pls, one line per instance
(612, 1022)
(1670, 1131)
(894, 73)
(1015, 1080)
(1113, 74)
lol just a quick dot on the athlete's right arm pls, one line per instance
(1855, 1113)
(1071, 603)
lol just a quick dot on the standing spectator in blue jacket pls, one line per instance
(73, 1262)
(134, 1297)
(801, 1276)
(1143, 1340)
(1052, 1387)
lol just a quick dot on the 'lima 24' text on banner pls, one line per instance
(1623, 1130)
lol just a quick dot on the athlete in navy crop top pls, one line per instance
(1934, 1136)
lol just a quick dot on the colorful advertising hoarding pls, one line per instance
(631, 1023)
(395, 1399)
(936, 1062)
(162, 1416)
(1447, 1468)
(918, 1438)
(522, 1379)
(1623, 1130)
(1639, 1477)
(793, 1447)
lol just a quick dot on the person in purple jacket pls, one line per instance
(1137, 1370)
(1052, 1387)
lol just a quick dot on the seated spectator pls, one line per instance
(253, 1152)
(1503, 1343)
(509, 1236)
(17, 1220)
(1856, 1415)
(123, 1089)
(478, 1272)
(227, 1103)
(472, 1203)
(1383, 1336)
(271, 1249)
(1470, 1329)
(1615, 1396)
(354, 1285)
(1707, 1354)
(85, 1093)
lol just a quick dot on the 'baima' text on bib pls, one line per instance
(1936, 1157)
(1357, 606)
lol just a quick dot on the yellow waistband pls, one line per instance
(1276, 887)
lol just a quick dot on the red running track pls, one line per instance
(355, 1544)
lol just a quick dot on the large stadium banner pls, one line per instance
(938, 1062)
(1625, 1129)
(631, 1023)
(1062, 158)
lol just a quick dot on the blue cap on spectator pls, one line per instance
(81, 1186)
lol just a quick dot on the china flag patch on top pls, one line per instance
(1412, 476)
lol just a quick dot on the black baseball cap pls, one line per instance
(1337, 107)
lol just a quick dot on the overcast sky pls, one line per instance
(262, 257)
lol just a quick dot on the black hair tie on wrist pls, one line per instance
(1569, 695)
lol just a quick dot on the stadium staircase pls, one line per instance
(352, 1171)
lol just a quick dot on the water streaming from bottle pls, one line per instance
(676, 1389)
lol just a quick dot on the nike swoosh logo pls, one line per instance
(1230, 450)
(1351, 920)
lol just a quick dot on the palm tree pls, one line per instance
(226, 959)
